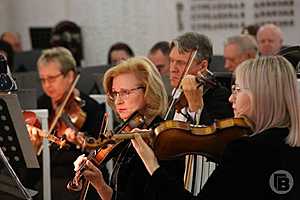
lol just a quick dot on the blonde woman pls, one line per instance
(263, 166)
(133, 85)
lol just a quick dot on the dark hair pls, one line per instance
(250, 29)
(68, 34)
(163, 46)
(7, 48)
(119, 46)
(191, 41)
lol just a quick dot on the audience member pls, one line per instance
(269, 39)
(119, 52)
(238, 49)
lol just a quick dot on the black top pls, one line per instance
(130, 178)
(245, 171)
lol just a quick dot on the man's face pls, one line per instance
(178, 63)
(233, 57)
(161, 61)
(269, 42)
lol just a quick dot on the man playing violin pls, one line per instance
(57, 72)
(205, 104)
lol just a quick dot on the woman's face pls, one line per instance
(54, 83)
(241, 101)
(128, 94)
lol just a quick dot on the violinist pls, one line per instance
(266, 92)
(204, 104)
(57, 72)
(133, 85)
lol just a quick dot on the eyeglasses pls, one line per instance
(124, 94)
(235, 89)
(50, 79)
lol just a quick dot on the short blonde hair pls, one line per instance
(272, 84)
(61, 55)
(146, 72)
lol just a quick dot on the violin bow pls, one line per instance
(177, 91)
(60, 111)
(63, 104)
(103, 129)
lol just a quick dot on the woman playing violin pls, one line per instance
(57, 72)
(133, 85)
(266, 92)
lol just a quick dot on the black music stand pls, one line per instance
(16, 149)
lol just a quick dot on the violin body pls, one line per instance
(72, 116)
(31, 119)
(174, 139)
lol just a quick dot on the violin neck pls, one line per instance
(131, 135)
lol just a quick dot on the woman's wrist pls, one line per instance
(105, 192)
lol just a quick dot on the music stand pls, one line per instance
(16, 148)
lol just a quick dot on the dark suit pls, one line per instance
(245, 171)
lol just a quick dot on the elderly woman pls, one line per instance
(133, 85)
(266, 164)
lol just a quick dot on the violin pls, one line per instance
(69, 113)
(72, 115)
(105, 152)
(173, 139)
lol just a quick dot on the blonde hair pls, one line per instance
(61, 55)
(272, 84)
(146, 72)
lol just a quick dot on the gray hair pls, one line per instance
(61, 55)
(246, 43)
(191, 41)
(272, 84)
(273, 27)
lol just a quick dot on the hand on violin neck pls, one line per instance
(34, 135)
(192, 92)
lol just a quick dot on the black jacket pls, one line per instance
(245, 171)
(130, 178)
